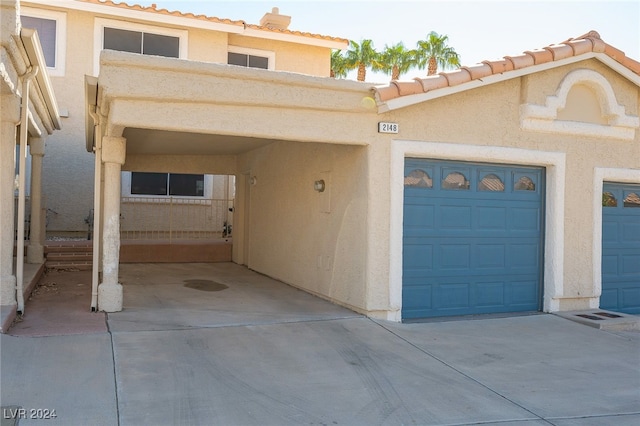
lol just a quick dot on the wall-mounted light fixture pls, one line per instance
(319, 185)
(254, 180)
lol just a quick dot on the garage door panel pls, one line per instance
(630, 298)
(418, 296)
(420, 216)
(490, 294)
(525, 219)
(609, 297)
(621, 248)
(610, 265)
(490, 256)
(491, 218)
(523, 293)
(418, 257)
(454, 256)
(610, 232)
(453, 295)
(630, 264)
(630, 232)
(456, 217)
(524, 256)
(485, 240)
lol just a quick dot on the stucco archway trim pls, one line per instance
(543, 118)
(554, 162)
(600, 176)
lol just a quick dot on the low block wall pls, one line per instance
(175, 252)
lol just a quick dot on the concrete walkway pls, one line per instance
(218, 344)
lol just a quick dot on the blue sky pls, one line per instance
(478, 30)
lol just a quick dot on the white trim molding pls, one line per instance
(544, 118)
(554, 162)
(600, 176)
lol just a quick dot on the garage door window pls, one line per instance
(491, 182)
(609, 200)
(632, 200)
(419, 179)
(525, 183)
(455, 180)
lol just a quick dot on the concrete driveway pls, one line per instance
(259, 352)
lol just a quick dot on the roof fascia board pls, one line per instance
(405, 101)
(156, 18)
(293, 38)
(618, 67)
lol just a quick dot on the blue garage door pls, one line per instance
(621, 248)
(472, 240)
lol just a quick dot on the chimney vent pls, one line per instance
(275, 21)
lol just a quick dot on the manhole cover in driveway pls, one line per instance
(205, 285)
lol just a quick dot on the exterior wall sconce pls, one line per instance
(319, 185)
(254, 180)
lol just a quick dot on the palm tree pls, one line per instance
(395, 60)
(361, 56)
(339, 67)
(434, 51)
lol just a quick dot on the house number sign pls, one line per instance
(384, 127)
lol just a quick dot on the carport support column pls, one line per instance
(110, 290)
(10, 105)
(35, 250)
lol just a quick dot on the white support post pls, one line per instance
(35, 250)
(110, 291)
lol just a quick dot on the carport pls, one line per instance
(286, 137)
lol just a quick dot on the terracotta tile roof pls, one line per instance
(298, 33)
(590, 42)
(154, 9)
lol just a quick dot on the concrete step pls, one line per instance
(70, 256)
(68, 265)
(68, 249)
(602, 319)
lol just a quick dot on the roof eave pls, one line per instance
(405, 101)
(105, 9)
(294, 38)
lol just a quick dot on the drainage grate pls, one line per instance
(205, 285)
(607, 315)
(591, 317)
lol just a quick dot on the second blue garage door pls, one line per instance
(473, 239)
(621, 248)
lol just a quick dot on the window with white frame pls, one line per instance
(137, 38)
(141, 42)
(51, 28)
(252, 58)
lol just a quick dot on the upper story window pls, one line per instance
(51, 28)
(137, 38)
(252, 58)
(141, 42)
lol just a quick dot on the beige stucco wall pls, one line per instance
(313, 240)
(67, 167)
(293, 57)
